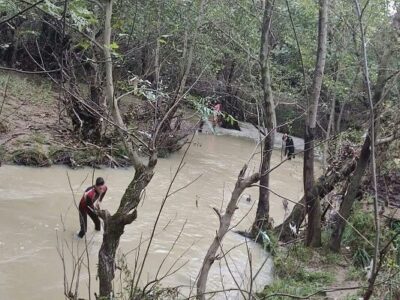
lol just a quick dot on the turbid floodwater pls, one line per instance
(37, 206)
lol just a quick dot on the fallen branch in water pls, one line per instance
(224, 222)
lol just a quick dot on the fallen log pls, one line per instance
(324, 185)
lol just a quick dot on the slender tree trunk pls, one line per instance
(261, 222)
(15, 44)
(114, 224)
(328, 132)
(347, 203)
(229, 99)
(157, 50)
(224, 222)
(339, 119)
(109, 89)
(96, 91)
(373, 140)
(377, 262)
(126, 213)
(186, 67)
(313, 208)
(189, 58)
(331, 123)
(157, 66)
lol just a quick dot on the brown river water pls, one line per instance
(36, 206)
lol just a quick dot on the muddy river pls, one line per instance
(37, 206)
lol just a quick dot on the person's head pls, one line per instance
(99, 185)
(285, 136)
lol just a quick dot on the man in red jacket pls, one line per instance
(91, 199)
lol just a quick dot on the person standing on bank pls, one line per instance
(289, 149)
(90, 201)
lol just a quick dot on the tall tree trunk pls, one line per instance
(109, 89)
(329, 129)
(126, 213)
(331, 123)
(114, 225)
(339, 119)
(229, 99)
(313, 208)
(113, 229)
(96, 91)
(348, 200)
(157, 50)
(189, 57)
(261, 222)
(157, 66)
(377, 262)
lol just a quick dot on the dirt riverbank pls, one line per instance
(34, 130)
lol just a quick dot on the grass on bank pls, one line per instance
(28, 88)
(296, 274)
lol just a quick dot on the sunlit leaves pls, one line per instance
(80, 14)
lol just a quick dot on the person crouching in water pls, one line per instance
(90, 201)
(289, 148)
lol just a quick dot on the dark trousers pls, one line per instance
(83, 220)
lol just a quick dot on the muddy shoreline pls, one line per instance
(34, 133)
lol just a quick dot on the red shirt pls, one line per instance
(90, 197)
(218, 107)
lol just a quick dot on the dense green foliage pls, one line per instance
(225, 62)
(64, 41)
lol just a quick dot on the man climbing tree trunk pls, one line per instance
(261, 222)
(313, 208)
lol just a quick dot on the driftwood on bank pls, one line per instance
(350, 196)
(224, 222)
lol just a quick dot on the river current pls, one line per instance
(37, 208)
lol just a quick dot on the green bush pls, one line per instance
(354, 274)
(360, 249)
(302, 283)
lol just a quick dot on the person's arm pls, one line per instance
(89, 199)
(97, 204)
(103, 194)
